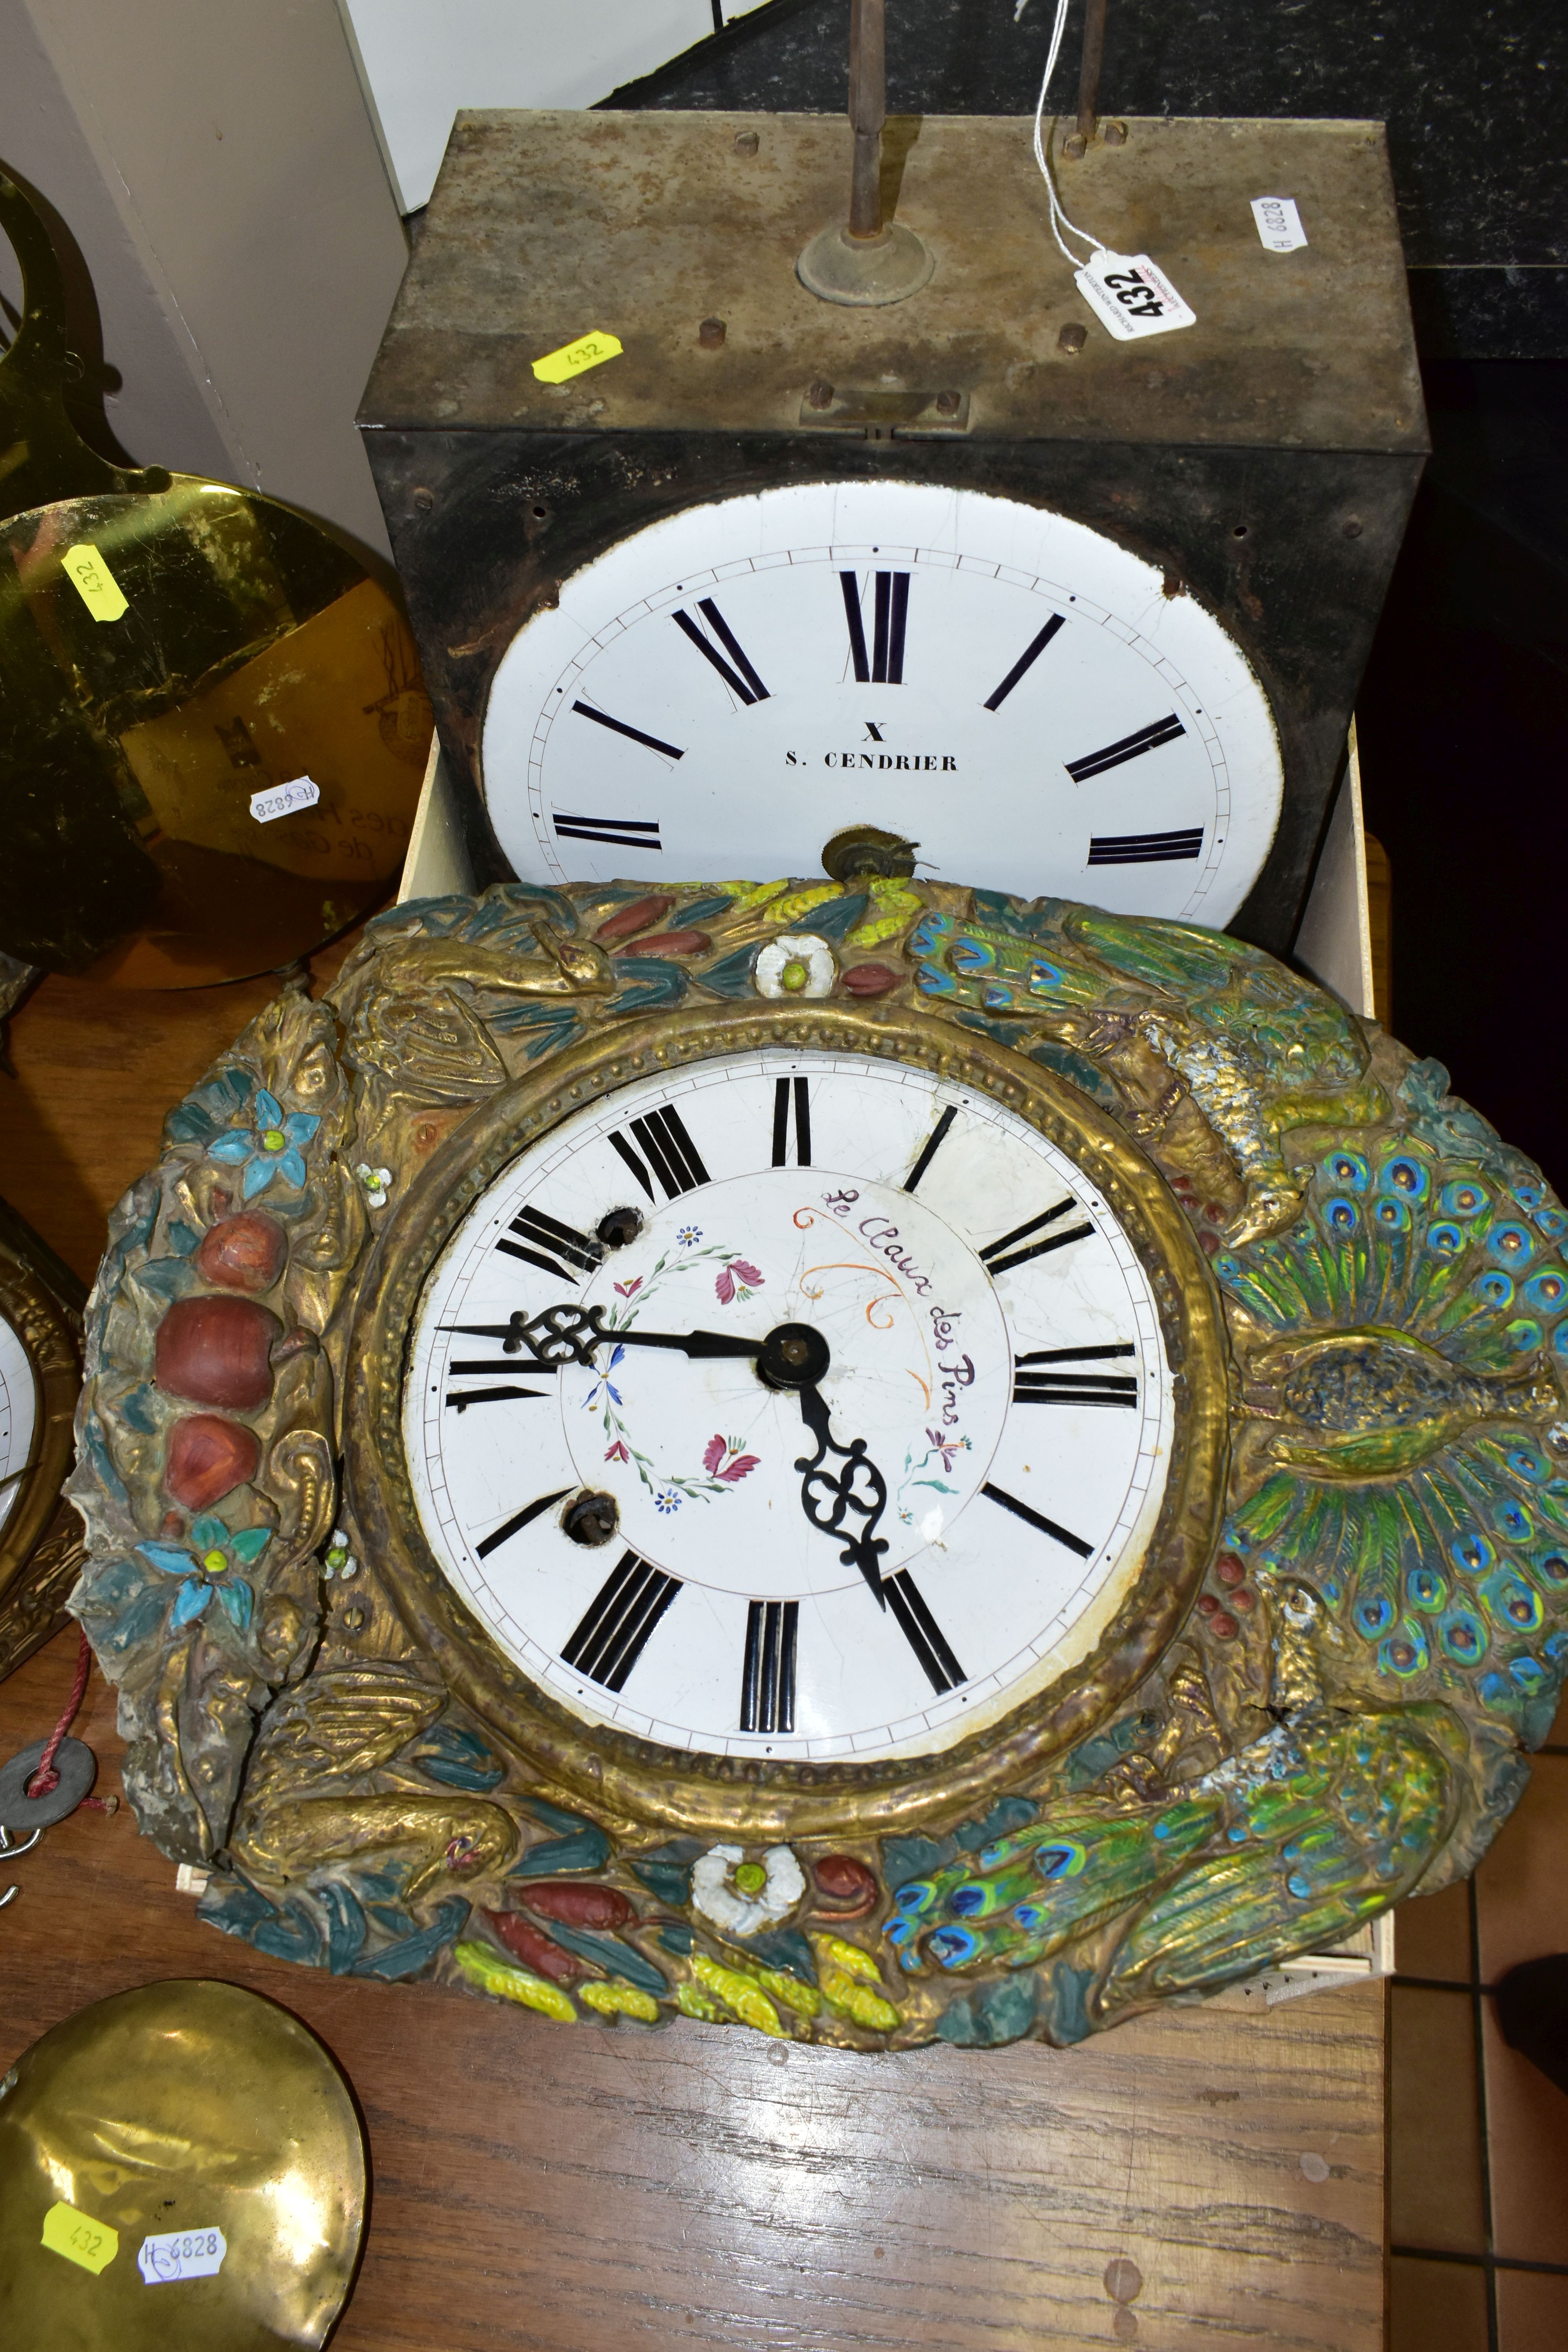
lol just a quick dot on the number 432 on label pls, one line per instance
(1132, 296)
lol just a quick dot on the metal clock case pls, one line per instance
(1209, 518)
(41, 1546)
(881, 1462)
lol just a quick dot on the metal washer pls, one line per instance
(78, 1768)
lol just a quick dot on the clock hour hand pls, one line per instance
(827, 1495)
(572, 1335)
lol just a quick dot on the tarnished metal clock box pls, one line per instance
(1265, 460)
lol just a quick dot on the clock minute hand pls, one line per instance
(826, 1495)
(572, 1335)
(691, 1343)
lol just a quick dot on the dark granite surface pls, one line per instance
(1472, 96)
(1463, 719)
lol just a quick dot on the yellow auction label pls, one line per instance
(588, 351)
(94, 583)
(93, 2244)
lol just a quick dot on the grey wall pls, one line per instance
(159, 415)
(218, 169)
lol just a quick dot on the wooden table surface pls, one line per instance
(560, 2188)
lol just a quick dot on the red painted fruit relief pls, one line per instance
(208, 1458)
(216, 1351)
(243, 1253)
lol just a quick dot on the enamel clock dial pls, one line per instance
(18, 1416)
(724, 691)
(852, 1374)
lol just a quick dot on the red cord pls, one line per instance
(45, 1780)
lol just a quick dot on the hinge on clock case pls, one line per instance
(882, 414)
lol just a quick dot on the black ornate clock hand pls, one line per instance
(572, 1335)
(826, 1495)
(793, 1356)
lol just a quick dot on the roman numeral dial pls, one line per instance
(922, 1632)
(792, 1110)
(726, 687)
(1039, 1377)
(767, 1677)
(1026, 661)
(1038, 1520)
(555, 1248)
(1128, 747)
(790, 1403)
(1018, 1247)
(620, 832)
(737, 671)
(931, 1147)
(518, 1521)
(884, 665)
(619, 1623)
(632, 734)
(657, 1148)
(1177, 847)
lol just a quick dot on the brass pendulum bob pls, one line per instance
(867, 261)
(223, 646)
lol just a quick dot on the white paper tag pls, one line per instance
(182, 2254)
(1132, 295)
(1278, 222)
(283, 798)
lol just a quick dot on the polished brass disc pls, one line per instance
(182, 2112)
(251, 650)
(173, 651)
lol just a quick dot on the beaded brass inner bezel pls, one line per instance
(633, 1781)
(50, 1345)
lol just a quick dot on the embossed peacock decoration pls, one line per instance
(1403, 1379)
(1380, 1637)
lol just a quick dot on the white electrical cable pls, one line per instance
(1058, 215)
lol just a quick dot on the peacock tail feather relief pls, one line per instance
(1260, 1050)
(1410, 1343)
(1347, 1827)
(1287, 1846)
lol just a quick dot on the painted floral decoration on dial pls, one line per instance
(851, 1352)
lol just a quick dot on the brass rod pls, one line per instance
(867, 112)
(1089, 77)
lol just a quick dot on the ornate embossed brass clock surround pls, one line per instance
(1349, 1623)
(727, 1796)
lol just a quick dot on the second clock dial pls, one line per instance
(724, 691)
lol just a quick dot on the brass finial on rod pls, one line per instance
(865, 262)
